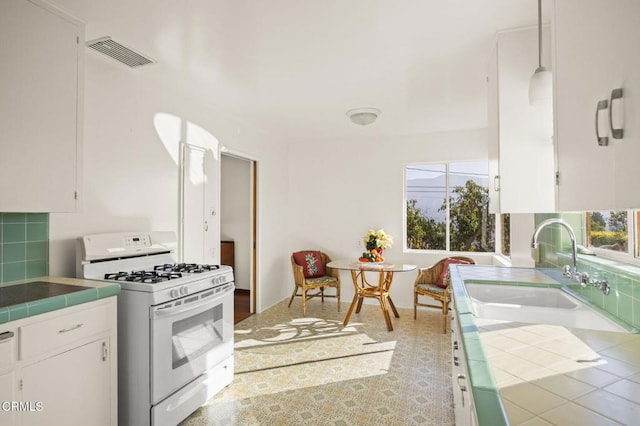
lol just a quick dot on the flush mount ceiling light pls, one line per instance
(363, 116)
(541, 84)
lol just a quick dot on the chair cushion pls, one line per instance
(322, 280)
(311, 262)
(430, 288)
(448, 261)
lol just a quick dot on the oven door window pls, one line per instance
(196, 335)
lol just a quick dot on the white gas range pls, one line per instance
(175, 324)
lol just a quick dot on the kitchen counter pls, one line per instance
(544, 374)
(94, 290)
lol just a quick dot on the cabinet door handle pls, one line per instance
(615, 133)
(602, 140)
(6, 335)
(105, 352)
(463, 387)
(496, 183)
(66, 330)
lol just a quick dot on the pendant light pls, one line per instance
(541, 83)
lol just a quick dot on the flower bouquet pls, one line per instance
(375, 242)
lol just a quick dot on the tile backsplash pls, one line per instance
(623, 301)
(24, 246)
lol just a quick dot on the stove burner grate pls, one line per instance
(189, 268)
(150, 277)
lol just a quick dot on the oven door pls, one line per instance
(189, 336)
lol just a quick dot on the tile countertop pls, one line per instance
(97, 290)
(538, 374)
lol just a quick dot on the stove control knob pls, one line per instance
(174, 293)
(184, 290)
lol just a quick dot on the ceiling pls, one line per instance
(294, 67)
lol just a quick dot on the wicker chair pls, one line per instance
(425, 285)
(331, 278)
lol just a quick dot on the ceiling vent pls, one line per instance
(120, 53)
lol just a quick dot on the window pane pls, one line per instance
(426, 214)
(472, 228)
(465, 216)
(608, 230)
(506, 234)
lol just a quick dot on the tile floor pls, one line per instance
(292, 370)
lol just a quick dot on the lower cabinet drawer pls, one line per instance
(45, 336)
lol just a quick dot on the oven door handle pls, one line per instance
(160, 312)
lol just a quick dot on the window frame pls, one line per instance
(633, 244)
(447, 250)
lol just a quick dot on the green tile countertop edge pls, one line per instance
(487, 400)
(99, 290)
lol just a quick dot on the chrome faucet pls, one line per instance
(569, 272)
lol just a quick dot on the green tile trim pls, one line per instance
(17, 312)
(83, 296)
(46, 305)
(489, 408)
(109, 291)
(24, 310)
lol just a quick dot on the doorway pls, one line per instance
(238, 220)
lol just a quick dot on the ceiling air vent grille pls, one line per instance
(120, 53)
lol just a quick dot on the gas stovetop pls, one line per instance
(161, 273)
(144, 262)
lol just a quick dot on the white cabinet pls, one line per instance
(40, 107)
(73, 387)
(8, 355)
(64, 367)
(522, 133)
(463, 405)
(594, 53)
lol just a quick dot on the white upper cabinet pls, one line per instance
(40, 107)
(526, 166)
(494, 137)
(595, 52)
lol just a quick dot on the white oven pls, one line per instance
(175, 325)
(188, 336)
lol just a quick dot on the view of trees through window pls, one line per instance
(448, 207)
(608, 230)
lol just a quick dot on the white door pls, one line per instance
(192, 220)
(199, 219)
(74, 387)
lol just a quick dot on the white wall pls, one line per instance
(339, 190)
(235, 215)
(133, 124)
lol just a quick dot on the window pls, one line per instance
(506, 234)
(447, 207)
(608, 230)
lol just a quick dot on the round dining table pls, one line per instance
(378, 288)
